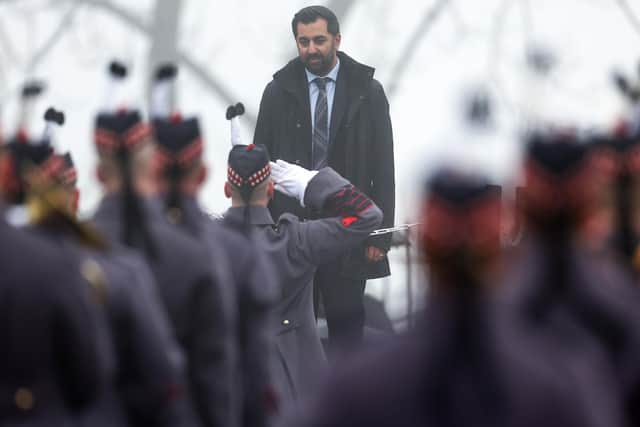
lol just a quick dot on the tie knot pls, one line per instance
(321, 82)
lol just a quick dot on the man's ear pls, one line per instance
(338, 38)
(227, 190)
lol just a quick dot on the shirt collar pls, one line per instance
(333, 74)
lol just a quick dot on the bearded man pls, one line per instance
(325, 109)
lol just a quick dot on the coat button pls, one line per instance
(297, 162)
(24, 399)
(285, 322)
(298, 125)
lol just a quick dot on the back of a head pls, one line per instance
(558, 176)
(248, 170)
(461, 231)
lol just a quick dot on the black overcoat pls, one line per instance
(360, 147)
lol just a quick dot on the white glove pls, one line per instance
(291, 180)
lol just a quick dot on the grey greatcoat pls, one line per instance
(44, 313)
(253, 293)
(142, 363)
(190, 286)
(295, 248)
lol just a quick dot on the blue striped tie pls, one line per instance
(320, 138)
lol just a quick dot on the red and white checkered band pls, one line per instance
(106, 139)
(260, 176)
(109, 140)
(254, 180)
(234, 178)
(191, 152)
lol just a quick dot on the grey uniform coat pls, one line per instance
(294, 249)
(143, 364)
(192, 292)
(44, 313)
(252, 292)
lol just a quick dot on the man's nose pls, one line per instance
(313, 48)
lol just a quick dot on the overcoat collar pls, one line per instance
(351, 88)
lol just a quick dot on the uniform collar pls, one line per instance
(333, 74)
(258, 215)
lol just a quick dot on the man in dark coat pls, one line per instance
(325, 109)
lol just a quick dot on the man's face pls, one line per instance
(317, 47)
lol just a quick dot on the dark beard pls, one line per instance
(321, 68)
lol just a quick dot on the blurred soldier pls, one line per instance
(326, 109)
(296, 248)
(464, 365)
(556, 285)
(142, 362)
(249, 292)
(49, 368)
(182, 268)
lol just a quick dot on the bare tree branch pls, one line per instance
(412, 45)
(45, 48)
(341, 8)
(631, 17)
(6, 45)
(55, 36)
(199, 71)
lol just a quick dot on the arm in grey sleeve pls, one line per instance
(354, 216)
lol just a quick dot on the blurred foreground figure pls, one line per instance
(129, 214)
(247, 292)
(559, 287)
(466, 363)
(49, 367)
(295, 249)
(140, 360)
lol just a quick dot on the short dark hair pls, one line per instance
(310, 14)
